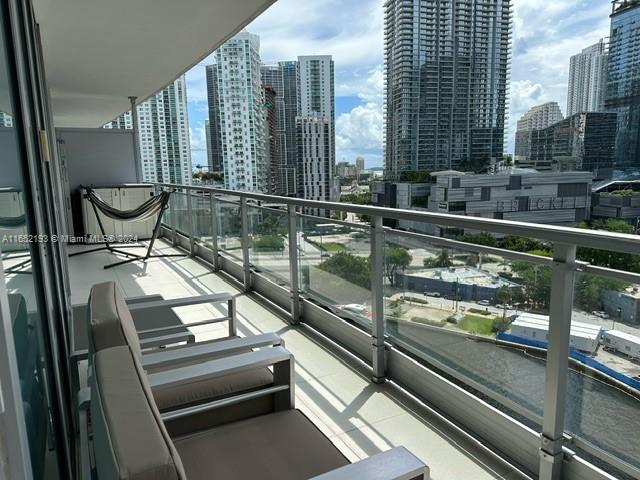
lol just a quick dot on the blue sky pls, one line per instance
(546, 33)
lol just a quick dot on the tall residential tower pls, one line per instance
(213, 132)
(587, 80)
(537, 118)
(446, 67)
(623, 80)
(163, 127)
(241, 114)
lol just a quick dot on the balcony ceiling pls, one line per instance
(98, 53)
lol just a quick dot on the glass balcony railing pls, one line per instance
(534, 322)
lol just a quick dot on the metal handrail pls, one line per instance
(612, 241)
(563, 268)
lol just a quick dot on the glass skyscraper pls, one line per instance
(446, 66)
(623, 80)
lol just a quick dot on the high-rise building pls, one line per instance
(273, 152)
(163, 127)
(214, 135)
(315, 160)
(316, 93)
(623, 80)
(207, 135)
(584, 141)
(587, 80)
(283, 79)
(241, 113)
(538, 117)
(446, 68)
(359, 164)
(6, 120)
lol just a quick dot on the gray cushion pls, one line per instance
(282, 446)
(129, 438)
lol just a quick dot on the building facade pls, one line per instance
(587, 80)
(315, 167)
(623, 80)
(273, 152)
(619, 199)
(584, 141)
(163, 126)
(538, 117)
(316, 94)
(242, 114)
(446, 69)
(282, 79)
(6, 120)
(518, 195)
(213, 132)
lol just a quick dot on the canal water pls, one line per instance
(597, 412)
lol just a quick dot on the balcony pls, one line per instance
(422, 356)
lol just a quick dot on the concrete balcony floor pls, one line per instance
(332, 388)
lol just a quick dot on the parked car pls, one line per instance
(355, 312)
(600, 314)
(432, 294)
(484, 303)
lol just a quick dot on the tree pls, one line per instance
(482, 238)
(441, 261)
(603, 258)
(268, 243)
(356, 270)
(536, 282)
(415, 176)
(591, 288)
(395, 258)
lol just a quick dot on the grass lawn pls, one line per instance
(333, 247)
(477, 324)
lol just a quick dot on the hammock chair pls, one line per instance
(156, 205)
(13, 223)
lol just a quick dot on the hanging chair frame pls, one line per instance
(132, 257)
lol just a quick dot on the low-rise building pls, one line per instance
(622, 342)
(584, 336)
(404, 195)
(623, 306)
(461, 283)
(516, 194)
(618, 199)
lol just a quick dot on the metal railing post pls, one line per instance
(173, 216)
(192, 251)
(555, 388)
(214, 232)
(377, 300)
(293, 265)
(246, 265)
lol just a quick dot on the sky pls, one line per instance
(545, 34)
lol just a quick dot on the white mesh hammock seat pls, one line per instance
(156, 205)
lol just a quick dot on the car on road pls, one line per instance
(484, 303)
(355, 312)
(432, 294)
(600, 314)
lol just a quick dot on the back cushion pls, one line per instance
(110, 322)
(130, 441)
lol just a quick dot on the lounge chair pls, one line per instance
(130, 440)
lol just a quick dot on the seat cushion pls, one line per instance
(195, 392)
(283, 446)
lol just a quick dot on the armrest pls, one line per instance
(202, 351)
(161, 341)
(395, 464)
(181, 302)
(187, 301)
(283, 389)
(220, 367)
